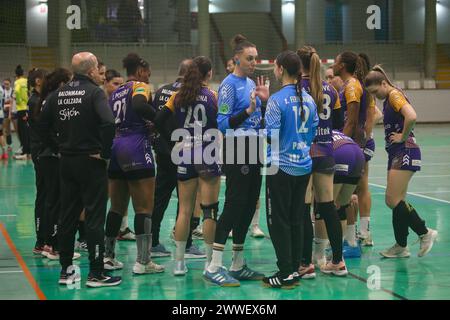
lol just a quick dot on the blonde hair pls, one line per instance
(310, 61)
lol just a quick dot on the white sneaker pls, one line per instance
(197, 233)
(21, 157)
(150, 267)
(180, 268)
(112, 264)
(366, 239)
(426, 242)
(230, 235)
(256, 232)
(396, 251)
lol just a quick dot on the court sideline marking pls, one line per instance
(22, 264)
(414, 194)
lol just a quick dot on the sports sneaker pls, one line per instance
(396, 251)
(4, 156)
(230, 235)
(126, 235)
(38, 248)
(197, 233)
(246, 274)
(20, 157)
(160, 251)
(278, 282)
(180, 268)
(221, 278)
(98, 280)
(193, 252)
(366, 240)
(349, 252)
(426, 242)
(149, 268)
(339, 269)
(18, 151)
(54, 255)
(307, 272)
(256, 232)
(68, 278)
(81, 245)
(112, 264)
(296, 277)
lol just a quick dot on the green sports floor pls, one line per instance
(23, 276)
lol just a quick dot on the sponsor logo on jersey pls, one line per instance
(405, 161)
(224, 108)
(417, 163)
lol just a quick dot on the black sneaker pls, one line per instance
(278, 282)
(68, 278)
(97, 280)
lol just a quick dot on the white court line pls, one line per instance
(414, 194)
(419, 176)
(8, 215)
(15, 271)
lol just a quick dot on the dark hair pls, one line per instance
(111, 74)
(184, 67)
(376, 76)
(290, 61)
(350, 61)
(362, 66)
(19, 71)
(35, 74)
(192, 82)
(100, 64)
(239, 43)
(52, 81)
(132, 62)
(7, 79)
(310, 61)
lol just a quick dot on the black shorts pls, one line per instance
(132, 175)
(346, 180)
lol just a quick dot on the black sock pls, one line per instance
(415, 222)
(9, 140)
(81, 231)
(113, 223)
(142, 223)
(327, 210)
(400, 217)
(195, 221)
(307, 236)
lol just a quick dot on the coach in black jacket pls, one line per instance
(80, 114)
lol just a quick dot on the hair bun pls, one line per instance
(237, 39)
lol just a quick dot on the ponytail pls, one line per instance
(298, 89)
(310, 61)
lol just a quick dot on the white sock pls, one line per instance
(364, 225)
(238, 257)
(209, 252)
(124, 224)
(319, 247)
(181, 248)
(216, 261)
(255, 220)
(350, 235)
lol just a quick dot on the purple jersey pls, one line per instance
(394, 121)
(197, 118)
(120, 102)
(340, 139)
(353, 91)
(322, 145)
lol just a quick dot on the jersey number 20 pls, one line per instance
(193, 117)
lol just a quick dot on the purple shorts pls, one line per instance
(369, 150)
(195, 168)
(349, 163)
(405, 159)
(131, 158)
(322, 158)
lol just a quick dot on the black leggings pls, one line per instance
(50, 168)
(23, 131)
(243, 186)
(285, 202)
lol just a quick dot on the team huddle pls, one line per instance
(312, 140)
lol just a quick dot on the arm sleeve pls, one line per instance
(272, 118)
(338, 119)
(225, 119)
(107, 126)
(397, 100)
(45, 125)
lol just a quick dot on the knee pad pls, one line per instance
(211, 211)
(342, 212)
